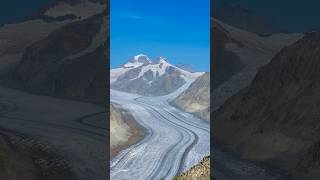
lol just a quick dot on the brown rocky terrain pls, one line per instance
(200, 171)
(124, 131)
(13, 167)
(275, 120)
(22, 157)
(196, 99)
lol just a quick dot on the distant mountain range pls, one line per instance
(142, 76)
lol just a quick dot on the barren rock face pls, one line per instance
(70, 62)
(119, 130)
(226, 62)
(124, 131)
(238, 55)
(276, 118)
(196, 99)
(200, 171)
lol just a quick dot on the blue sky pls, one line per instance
(176, 29)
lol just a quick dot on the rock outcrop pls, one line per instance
(196, 99)
(200, 171)
(238, 55)
(124, 131)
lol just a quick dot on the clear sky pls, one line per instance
(176, 29)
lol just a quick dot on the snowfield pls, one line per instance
(174, 141)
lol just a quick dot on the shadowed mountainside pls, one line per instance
(70, 62)
(226, 62)
(61, 54)
(275, 120)
(242, 54)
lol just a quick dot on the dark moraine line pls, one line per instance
(137, 99)
(183, 128)
(8, 106)
(81, 120)
(87, 132)
(193, 125)
(165, 156)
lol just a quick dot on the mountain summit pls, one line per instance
(137, 61)
(150, 78)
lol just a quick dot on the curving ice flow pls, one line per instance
(174, 141)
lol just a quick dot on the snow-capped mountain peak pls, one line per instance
(137, 61)
(141, 58)
(141, 75)
(162, 60)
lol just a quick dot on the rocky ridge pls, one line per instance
(196, 99)
(275, 120)
(142, 76)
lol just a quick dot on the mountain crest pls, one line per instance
(162, 60)
(141, 58)
(137, 61)
(149, 78)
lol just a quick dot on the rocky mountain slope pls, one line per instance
(124, 131)
(275, 120)
(142, 76)
(70, 61)
(10, 169)
(23, 157)
(62, 53)
(196, 99)
(226, 62)
(238, 54)
(200, 171)
(15, 38)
